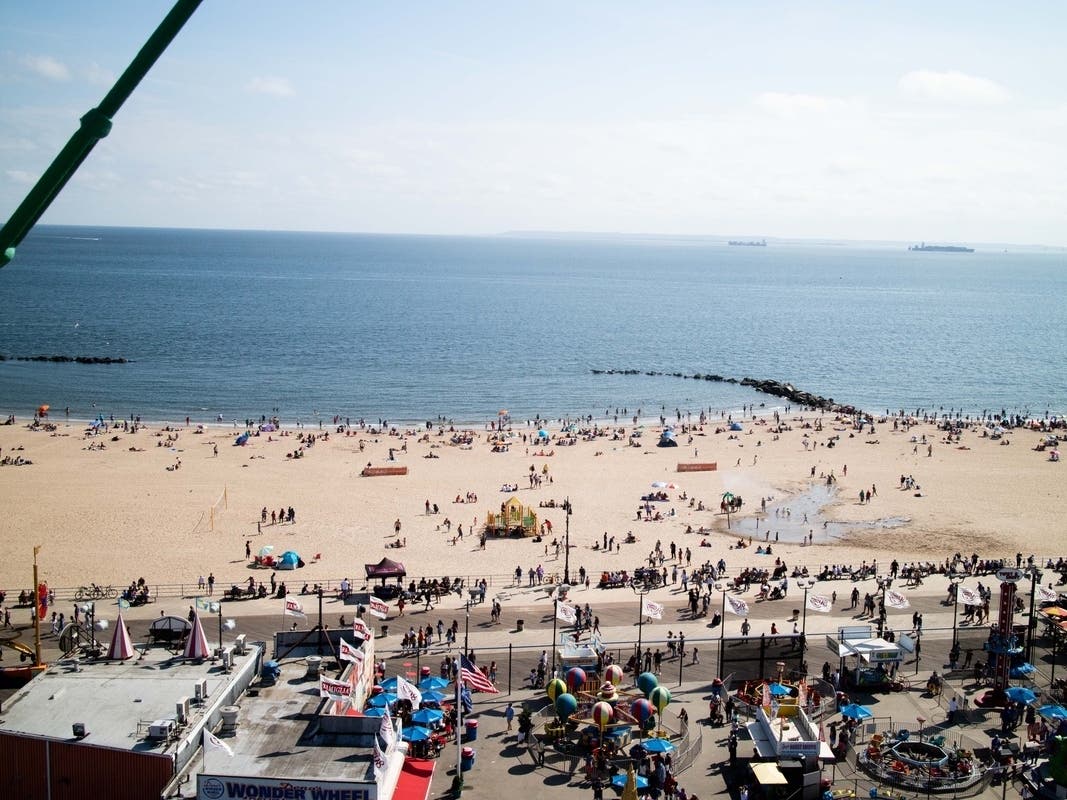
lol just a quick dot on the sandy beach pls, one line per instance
(127, 510)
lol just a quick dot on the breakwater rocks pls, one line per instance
(68, 359)
(775, 388)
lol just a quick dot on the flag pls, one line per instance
(568, 614)
(820, 602)
(378, 608)
(653, 610)
(42, 600)
(349, 653)
(335, 690)
(896, 600)
(293, 607)
(379, 761)
(213, 743)
(124, 604)
(735, 605)
(361, 629)
(406, 690)
(471, 676)
(1047, 595)
(969, 597)
(387, 731)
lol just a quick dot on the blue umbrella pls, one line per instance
(415, 734)
(657, 745)
(620, 781)
(383, 699)
(854, 711)
(1020, 694)
(1053, 712)
(389, 684)
(375, 711)
(427, 717)
(433, 683)
(778, 690)
(433, 698)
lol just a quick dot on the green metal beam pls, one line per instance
(95, 125)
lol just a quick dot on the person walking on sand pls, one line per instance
(396, 526)
(248, 549)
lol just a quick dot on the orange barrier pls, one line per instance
(707, 466)
(376, 472)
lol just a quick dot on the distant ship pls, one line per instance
(749, 244)
(939, 248)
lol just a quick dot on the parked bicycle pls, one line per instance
(95, 592)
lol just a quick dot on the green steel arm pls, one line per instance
(95, 125)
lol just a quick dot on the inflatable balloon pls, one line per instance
(575, 679)
(646, 682)
(566, 704)
(613, 674)
(602, 714)
(555, 688)
(642, 710)
(660, 697)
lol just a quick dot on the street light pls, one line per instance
(955, 581)
(883, 583)
(640, 589)
(467, 631)
(1035, 579)
(805, 584)
(722, 586)
(567, 547)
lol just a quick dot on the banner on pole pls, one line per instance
(568, 614)
(293, 608)
(735, 605)
(378, 608)
(651, 609)
(820, 602)
(336, 690)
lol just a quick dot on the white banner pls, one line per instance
(735, 605)
(378, 608)
(820, 602)
(294, 608)
(336, 690)
(568, 614)
(406, 690)
(969, 597)
(361, 629)
(379, 762)
(896, 600)
(349, 653)
(1047, 595)
(651, 609)
(387, 731)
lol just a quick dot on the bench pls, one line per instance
(377, 472)
(705, 466)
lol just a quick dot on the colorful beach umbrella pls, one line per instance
(415, 734)
(1021, 694)
(432, 698)
(383, 699)
(657, 745)
(433, 683)
(121, 646)
(427, 717)
(196, 645)
(389, 684)
(855, 711)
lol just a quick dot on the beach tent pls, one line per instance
(241, 440)
(666, 439)
(543, 434)
(290, 560)
(121, 646)
(735, 426)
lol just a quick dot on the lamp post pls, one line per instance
(467, 630)
(955, 580)
(883, 583)
(567, 545)
(640, 589)
(555, 617)
(805, 584)
(1035, 579)
(722, 586)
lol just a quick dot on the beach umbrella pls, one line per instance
(658, 746)
(414, 733)
(196, 645)
(613, 674)
(856, 712)
(639, 781)
(121, 646)
(266, 550)
(1053, 712)
(383, 699)
(432, 698)
(427, 717)
(389, 684)
(374, 711)
(1021, 694)
(778, 690)
(433, 683)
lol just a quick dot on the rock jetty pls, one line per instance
(69, 359)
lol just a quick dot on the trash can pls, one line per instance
(385, 631)
(466, 759)
(519, 623)
(472, 730)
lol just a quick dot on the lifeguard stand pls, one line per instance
(513, 519)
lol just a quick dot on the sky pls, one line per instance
(904, 121)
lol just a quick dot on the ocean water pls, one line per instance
(409, 327)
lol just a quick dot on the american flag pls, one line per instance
(472, 677)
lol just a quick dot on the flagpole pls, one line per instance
(555, 616)
(457, 783)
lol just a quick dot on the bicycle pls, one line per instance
(95, 592)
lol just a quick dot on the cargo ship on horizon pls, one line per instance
(939, 248)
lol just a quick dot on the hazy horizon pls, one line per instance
(827, 121)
